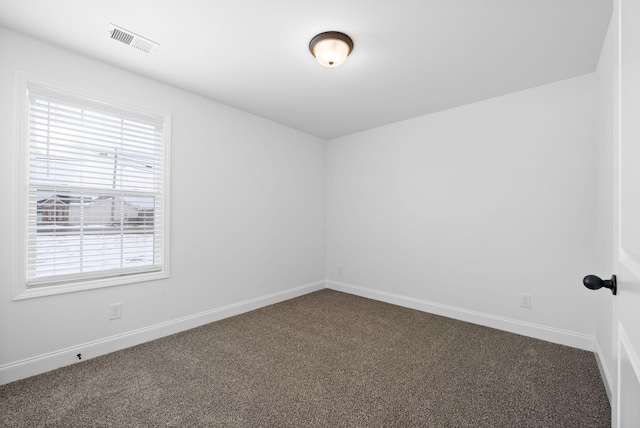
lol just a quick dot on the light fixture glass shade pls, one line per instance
(331, 48)
(331, 52)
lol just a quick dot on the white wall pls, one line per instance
(604, 202)
(461, 211)
(247, 210)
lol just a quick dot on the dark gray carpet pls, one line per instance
(327, 359)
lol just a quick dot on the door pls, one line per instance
(626, 310)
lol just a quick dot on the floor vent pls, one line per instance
(132, 39)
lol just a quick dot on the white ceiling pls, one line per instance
(410, 57)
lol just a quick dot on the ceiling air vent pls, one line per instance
(132, 39)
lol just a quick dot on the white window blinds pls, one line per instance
(95, 189)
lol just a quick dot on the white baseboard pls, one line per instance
(549, 334)
(63, 357)
(605, 373)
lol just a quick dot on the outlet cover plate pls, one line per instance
(525, 301)
(115, 311)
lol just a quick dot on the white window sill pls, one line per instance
(49, 290)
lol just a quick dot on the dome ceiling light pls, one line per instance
(331, 48)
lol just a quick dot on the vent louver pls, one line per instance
(132, 39)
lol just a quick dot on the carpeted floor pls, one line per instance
(326, 359)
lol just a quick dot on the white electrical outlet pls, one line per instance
(525, 301)
(340, 270)
(115, 311)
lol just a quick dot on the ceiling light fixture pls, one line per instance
(331, 48)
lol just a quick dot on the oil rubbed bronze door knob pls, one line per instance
(593, 282)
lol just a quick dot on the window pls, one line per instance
(96, 203)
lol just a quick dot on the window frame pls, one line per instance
(21, 141)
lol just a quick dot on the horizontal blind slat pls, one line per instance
(75, 101)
